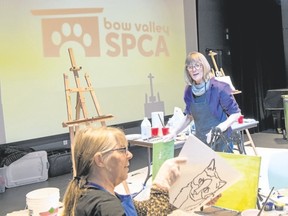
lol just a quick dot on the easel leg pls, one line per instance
(71, 132)
(125, 185)
(250, 141)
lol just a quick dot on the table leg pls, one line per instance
(149, 165)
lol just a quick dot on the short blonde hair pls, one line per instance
(196, 57)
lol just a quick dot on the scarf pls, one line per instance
(200, 89)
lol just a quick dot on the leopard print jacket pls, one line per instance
(157, 205)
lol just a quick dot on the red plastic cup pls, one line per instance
(165, 131)
(154, 132)
(240, 119)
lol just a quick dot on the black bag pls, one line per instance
(59, 162)
(10, 153)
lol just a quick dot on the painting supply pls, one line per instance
(279, 206)
(269, 206)
(241, 119)
(264, 204)
(157, 119)
(145, 129)
(160, 118)
(44, 201)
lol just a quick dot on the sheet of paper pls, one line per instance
(204, 176)
(161, 152)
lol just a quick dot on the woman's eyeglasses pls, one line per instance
(195, 66)
(123, 149)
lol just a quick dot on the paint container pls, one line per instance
(269, 206)
(279, 206)
(241, 119)
(43, 202)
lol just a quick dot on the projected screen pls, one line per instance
(132, 50)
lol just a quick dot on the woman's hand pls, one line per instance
(169, 172)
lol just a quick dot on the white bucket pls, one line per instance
(43, 202)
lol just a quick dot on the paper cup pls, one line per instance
(241, 119)
(154, 132)
(165, 131)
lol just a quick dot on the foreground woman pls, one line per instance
(100, 159)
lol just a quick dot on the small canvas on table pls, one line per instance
(161, 152)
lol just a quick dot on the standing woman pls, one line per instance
(208, 101)
(100, 158)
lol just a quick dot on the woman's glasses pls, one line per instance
(123, 149)
(195, 66)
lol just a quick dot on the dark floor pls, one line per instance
(13, 199)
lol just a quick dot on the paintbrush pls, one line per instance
(264, 204)
(162, 123)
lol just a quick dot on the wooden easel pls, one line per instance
(217, 72)
(74, 124)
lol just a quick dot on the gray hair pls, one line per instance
(196, 57)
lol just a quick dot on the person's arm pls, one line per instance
(230, 106)
(181, 126)
(184, 123)
(229, 121)
(224, 125)
(158, 203)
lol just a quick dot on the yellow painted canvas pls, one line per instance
(243, 194)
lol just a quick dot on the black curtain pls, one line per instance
(257, 53)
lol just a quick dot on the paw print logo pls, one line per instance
(58, 31)
(74, 31)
